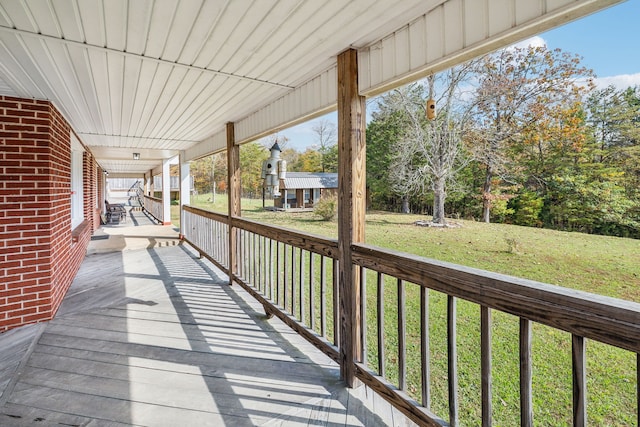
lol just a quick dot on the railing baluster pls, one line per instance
(380, 296)
(285, 291)
(227, 235)
(452, 361)
(294, 297)
(240, 253)
(425, 357)
(312, 293)
(485, 362)
(247, 265)
(579, 369)
(336, 305)
(271, 269)
(260, 262)
(526, 399)
(247, 249)
(402, 331)
(301, 286)
(277, 272)
(255, 262)
(638, 389)
(242, 242)
(263, 270)
(323, 297)
(363, 315)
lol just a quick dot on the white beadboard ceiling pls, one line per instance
(159, 76)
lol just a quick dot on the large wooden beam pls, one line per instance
(351, 207)
(234, 191)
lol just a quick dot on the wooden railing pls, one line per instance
(153, 206)
(209, 233)
(294, 276)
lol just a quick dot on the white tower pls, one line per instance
(273, 170)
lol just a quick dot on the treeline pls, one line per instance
(521, 136)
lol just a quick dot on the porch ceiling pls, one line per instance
(156, 77)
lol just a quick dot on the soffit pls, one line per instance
(168, 73)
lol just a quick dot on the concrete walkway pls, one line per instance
(150, 335)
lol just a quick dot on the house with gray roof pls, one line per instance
(300, 190)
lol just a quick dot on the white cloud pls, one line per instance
(621, 81)
(535, 41)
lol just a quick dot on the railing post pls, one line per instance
(185, 190)
(351, 207)
(166, 192)
(233, 166)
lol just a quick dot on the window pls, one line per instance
(77, 193)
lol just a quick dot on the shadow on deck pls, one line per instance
(150, 335)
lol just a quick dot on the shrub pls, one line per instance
(326, 208)
(513, 244)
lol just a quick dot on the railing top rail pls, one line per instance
(153, 198)
(207, 214)
(609, 320)
(313, 243)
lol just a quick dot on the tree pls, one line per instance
(310, 161)
(251, 157)
(209, 171)
(326, 138)
(274, 138)
(516, 89)
(429, 154)
(382, 132)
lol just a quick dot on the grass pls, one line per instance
(604, 265)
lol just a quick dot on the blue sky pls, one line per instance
(608, 41)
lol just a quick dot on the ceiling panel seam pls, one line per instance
(143, 57)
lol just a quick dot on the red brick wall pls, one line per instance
(38, 255)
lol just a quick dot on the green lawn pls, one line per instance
(604, 265)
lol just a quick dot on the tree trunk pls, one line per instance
(439, 196)
(486, 195)
(405, 204)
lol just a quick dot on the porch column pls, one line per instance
(234, 192)
(166, 192)
(148, 183)
(185, 188)
(351, 207)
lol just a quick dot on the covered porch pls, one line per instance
(167, 334)
(151, 334)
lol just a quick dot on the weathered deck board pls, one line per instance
(156, 337)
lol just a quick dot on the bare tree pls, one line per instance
(429, 153)
(275, 138)
(326, 138)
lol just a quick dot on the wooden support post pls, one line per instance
(185, 190)
(166, 192)
(351, 207)
(233, 167)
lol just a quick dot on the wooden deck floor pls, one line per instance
(154, 337)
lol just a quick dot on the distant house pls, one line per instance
(300, 190)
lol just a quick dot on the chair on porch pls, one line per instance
(115, 212)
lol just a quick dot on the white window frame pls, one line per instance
(77, 182)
